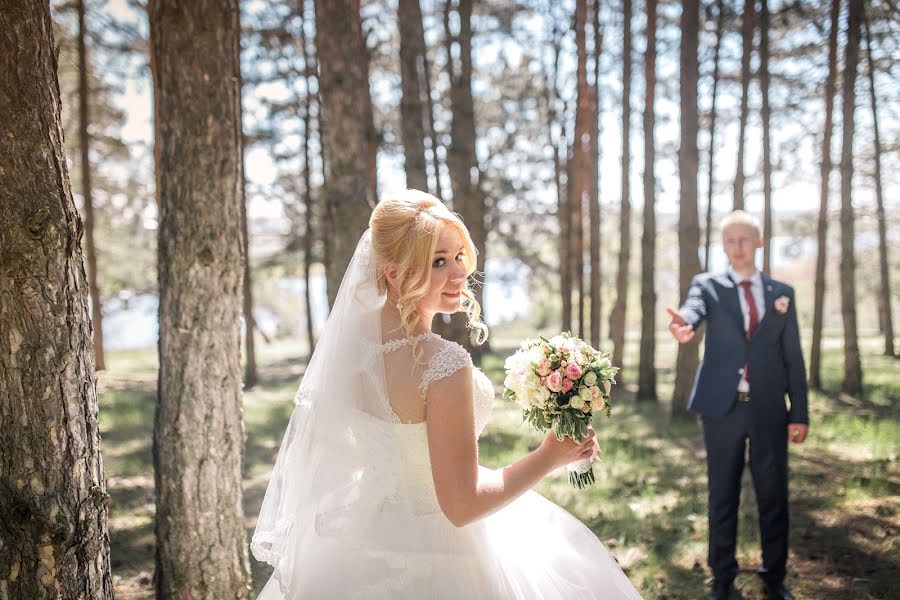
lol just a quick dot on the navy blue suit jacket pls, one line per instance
(774, 355)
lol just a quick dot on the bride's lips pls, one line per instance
(452, 294)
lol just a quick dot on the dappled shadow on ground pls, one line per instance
(648, 506)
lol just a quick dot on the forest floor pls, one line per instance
(648, 505)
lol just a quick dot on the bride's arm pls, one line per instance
(464, 493)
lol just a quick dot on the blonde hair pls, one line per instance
(405, 230)
(741, 217)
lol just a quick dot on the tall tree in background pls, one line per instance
(767, 149)
(198, 434)
(309, 71)
(372, 134)
(579, 162)
(595, 239)
(90, 246)
(884, 297)
(647, 359)
(815, 354)
(53, 500)
(747, 35)
(462, 162)
(342, 68)
(412, 111)
(250, 371)
(720, 19)
(617, 317)
(852, 368)
(688, 219)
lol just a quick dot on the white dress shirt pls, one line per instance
(756, 289)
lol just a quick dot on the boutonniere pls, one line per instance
(781, 304)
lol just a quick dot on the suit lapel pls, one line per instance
(769, 299)
(729, 300)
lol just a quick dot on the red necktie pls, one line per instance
(753, 321)
(751, 307)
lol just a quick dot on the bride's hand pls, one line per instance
(566, 451)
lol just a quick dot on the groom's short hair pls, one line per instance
(741, 217)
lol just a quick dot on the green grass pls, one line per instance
(648, 505)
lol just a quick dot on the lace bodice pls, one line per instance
(412, 439)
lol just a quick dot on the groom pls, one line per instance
(752, 358)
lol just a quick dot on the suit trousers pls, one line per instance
(726, 442)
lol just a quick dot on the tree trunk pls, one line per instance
(372, 134)
(815, 354)
(462, 162)
(619, 312)
(595, 237)
(198, 433)
(647, 359)
(884, 300)
(90, 247)
(53, 500)
(688, 220)
(720, 19)
(250, 374)
(580, 161)
(562, 212)
(342, 79)
(433, 137)
(767, 146)
(412, 111)
(852, 368)
(747, 33)
(308, 71)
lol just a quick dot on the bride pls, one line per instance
(377, 491)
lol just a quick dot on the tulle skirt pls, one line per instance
(530, 549)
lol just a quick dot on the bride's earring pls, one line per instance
(400, 306)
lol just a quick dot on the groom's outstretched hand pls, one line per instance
(680, 329)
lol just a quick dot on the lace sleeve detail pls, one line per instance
(448, 360)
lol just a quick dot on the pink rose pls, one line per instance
(555, 381)
(573, 371)
(567, 384)
(543, 381)
(781, 304)
(544, 368)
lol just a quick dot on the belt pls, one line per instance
(742, 396)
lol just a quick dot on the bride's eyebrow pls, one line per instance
(438, 252)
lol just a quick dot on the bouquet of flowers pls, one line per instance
(559, 383)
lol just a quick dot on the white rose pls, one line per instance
(576, 402)
(543, 394)
(585, 394)
(607, 385)
(590, 378)
(595, 391)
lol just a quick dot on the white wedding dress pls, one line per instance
(404, 547)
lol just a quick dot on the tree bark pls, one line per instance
(53, 500)
(852, 368)
(720, 19)
(308, 71)
(198, 433)
(372, 134)
(767, 145)
(688, 220)
(884, 300)
(618, 315)
(250, 372)
(747, 34)
(341, 81)
(594, 220)
(647, 359)
(815, 354)
(90, 247)
(579, 163)
(412, 111)
(462, 162)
